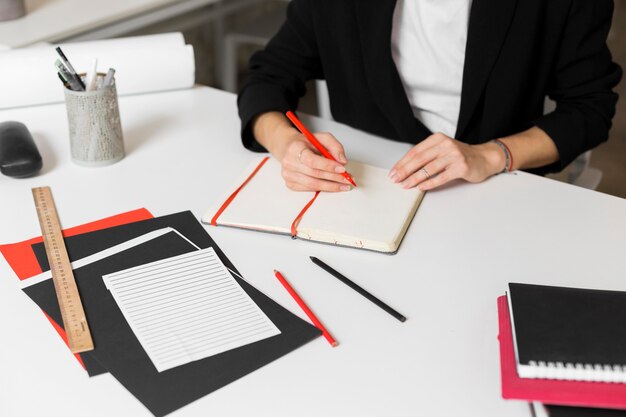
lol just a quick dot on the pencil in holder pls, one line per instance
(94, 124)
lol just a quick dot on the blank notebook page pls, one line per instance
(187, 308)
(265, 203)
(373, 215)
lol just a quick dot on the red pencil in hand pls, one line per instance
(306, 309)
(291, 116)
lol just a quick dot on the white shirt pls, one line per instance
(428, 47)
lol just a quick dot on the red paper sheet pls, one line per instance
(22, 260)
(550, 391)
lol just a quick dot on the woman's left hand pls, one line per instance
(439, 159)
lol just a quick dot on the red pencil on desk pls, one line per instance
(306, 309)
(291, 116)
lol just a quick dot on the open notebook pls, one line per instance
(373, 216)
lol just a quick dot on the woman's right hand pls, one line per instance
(303, 168)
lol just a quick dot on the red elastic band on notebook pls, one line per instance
(296, 221)
(234, 194)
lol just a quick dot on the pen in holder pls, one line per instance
(94, 124)
(11, 9)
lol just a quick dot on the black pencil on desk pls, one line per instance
(357, 288)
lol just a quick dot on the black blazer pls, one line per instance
(518, 51)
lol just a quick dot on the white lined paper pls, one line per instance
(187, 308)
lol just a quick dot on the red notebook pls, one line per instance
(550, 391)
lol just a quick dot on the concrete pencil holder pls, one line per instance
(11, 9)
(95, 128)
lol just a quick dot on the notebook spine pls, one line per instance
(576, 371)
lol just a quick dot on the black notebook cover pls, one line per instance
(116, 347)
(562, 411)
(569, 325)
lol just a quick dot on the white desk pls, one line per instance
(75, 20)
(466, 242)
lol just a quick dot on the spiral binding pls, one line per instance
(574, 371)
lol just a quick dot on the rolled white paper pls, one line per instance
(142, 64)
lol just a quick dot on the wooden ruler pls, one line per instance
(74, 320)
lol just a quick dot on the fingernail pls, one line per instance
(345, 188)
(406, 185)
(342, 158)
(340, 169)
(393, 176)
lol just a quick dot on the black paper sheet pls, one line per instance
(116, 347)
(562, 411)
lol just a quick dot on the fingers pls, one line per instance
(303, 169)
(440, 179)
(309, 159)
(413, 162)
(426, 172)
(333, 146)
(301, 182)
(434, 162)
(399, 171)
